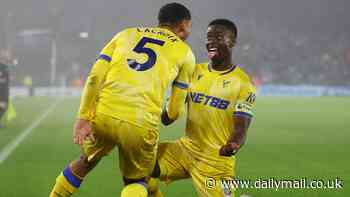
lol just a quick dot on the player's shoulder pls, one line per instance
(189, 51)
(243, 75)
(122, 34)
(200, 69)
(239, 71)
(184, 52)
(181, 47)
(186, 47)
(126, 31)
(202, 66)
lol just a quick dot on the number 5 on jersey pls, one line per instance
(141, 48)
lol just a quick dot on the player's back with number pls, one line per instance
(121, 102)
(143, 63)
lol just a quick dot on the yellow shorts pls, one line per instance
(177, 162)
(137, 146)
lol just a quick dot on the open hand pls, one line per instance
(82, 130)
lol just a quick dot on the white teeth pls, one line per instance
(213, 49)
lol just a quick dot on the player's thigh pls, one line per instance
(137, 148)
(172, 161)
(207, 186)
(103, 144)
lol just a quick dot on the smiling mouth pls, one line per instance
(212, 52)
(213, 49)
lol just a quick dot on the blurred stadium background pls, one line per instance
(298, 53)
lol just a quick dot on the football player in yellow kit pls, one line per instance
(220, 102)
(123, 96)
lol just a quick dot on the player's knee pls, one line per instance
(134, 189)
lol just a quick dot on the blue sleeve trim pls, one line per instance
(105, 57)
(180, 85)
(239, 113)
(74, 181)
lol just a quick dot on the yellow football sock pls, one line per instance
(134, 190)
(153, 188)
(66, 184)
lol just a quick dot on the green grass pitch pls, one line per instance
(289, 138)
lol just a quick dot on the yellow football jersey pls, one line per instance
(132, 74)
(214, 99)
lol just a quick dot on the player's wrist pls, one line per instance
(82, 120)
(83, 116)
(233, 144)
(229, 149)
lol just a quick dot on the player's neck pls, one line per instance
(221, 66)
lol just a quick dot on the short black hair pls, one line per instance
(231, 26)
(173, 13)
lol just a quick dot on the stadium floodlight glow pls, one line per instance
(83, 34)
(15, 62)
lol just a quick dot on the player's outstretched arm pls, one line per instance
(178, 96)
(82, 128)
(95, 80)
(243, 114)
(238, 137)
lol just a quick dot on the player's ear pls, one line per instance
(184, 29)
(232, 41)
(188, 26)
(185, 24)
